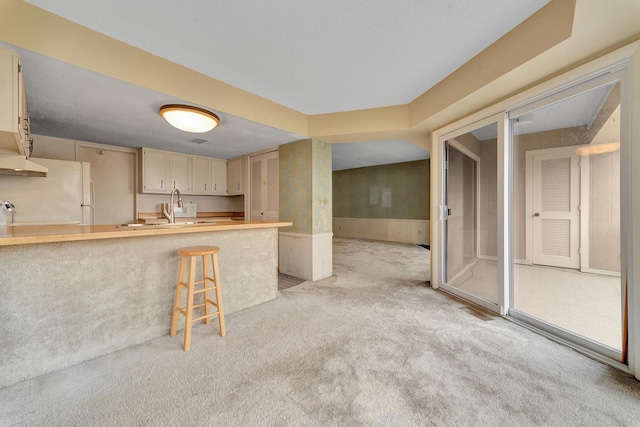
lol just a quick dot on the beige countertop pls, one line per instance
(30, 234)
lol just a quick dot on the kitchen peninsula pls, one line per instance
(72, 293)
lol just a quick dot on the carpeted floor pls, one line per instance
(373, 346)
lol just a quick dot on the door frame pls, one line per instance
(438, 231)
(623, 65)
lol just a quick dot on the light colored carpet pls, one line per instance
(373, 347)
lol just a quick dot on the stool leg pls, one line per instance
(216, 277)
(189, 317)
(176, 301)
(206, 295)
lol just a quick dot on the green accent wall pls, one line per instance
(396, 191)
(305, 186)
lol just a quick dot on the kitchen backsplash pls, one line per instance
(153, 202)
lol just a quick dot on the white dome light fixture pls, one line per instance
(189, 118)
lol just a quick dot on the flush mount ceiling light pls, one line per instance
(189, 118)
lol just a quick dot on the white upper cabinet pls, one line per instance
(219, 176)
(197, 175)
(155, 171)
(180, 172)
(235, 174)
(201, 175)
(14, 126)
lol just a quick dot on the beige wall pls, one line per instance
(470, 142)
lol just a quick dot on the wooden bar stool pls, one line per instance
(209, 256)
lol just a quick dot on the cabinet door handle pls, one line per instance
(205, 186)
(162, 183)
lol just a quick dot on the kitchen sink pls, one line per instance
(165, 225)
(172, 225)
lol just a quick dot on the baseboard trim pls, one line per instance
(306, 236)
(306, 256)
(600, 272)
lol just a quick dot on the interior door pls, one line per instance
(264, 186)
(113, 177)
(556, 202)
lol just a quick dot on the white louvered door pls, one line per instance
(264, 186)
(556, 214)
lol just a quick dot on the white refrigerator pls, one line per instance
(64, 196)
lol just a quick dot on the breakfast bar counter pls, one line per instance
(71, 293)
(28, 234)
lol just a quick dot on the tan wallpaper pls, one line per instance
(305, 186)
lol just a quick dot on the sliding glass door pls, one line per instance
(566, 264)
(469, 214)
(533, 209)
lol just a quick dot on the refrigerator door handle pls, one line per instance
(91, 203)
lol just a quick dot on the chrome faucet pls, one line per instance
(170, 214)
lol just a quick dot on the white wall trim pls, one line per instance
(601, 272)
(305, 236)
(306, 256)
